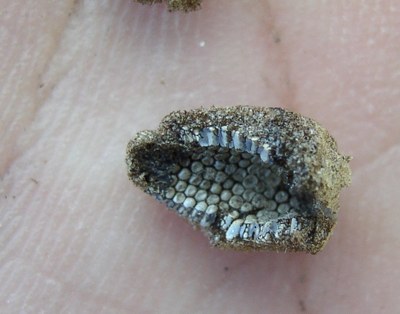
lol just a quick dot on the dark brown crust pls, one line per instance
(177, 5)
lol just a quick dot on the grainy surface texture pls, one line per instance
(79, 78)
(176, 5)
(250, 178)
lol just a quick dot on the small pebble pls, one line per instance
(269, 192)
(213, 199)
(234, 159)
(228, 184)
(250, 181)
(181, 186)
(253, 169)
(236, 202)
(189, 202)
(197, 167)
(219, 165)
(207, 161)
(209, 173)
(281, 197)
(259, 201)
(230, 169)
(246, 156)
(220, 177)
(248, 195)
(184, 174)
(179, 198)
(270, 205)
(201, 206)
(274, 180)
(170, 192)
(221, 156)
(260, 187)
(246, 207)
(190, 190)
(216, 188)
(238, 189)
(239, 175)
(201, 195)
(205, 184)
(224, 206)
(244, 163)
(226, 195)
(195, 179)
(283, 208)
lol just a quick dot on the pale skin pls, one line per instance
(79, 78)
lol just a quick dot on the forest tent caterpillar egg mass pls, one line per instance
(251, 178)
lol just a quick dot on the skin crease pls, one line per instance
(79, 78)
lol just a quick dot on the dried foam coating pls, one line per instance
(177, 5)
(250, 178)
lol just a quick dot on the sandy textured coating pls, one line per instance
(250, 178)
(177, 5)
